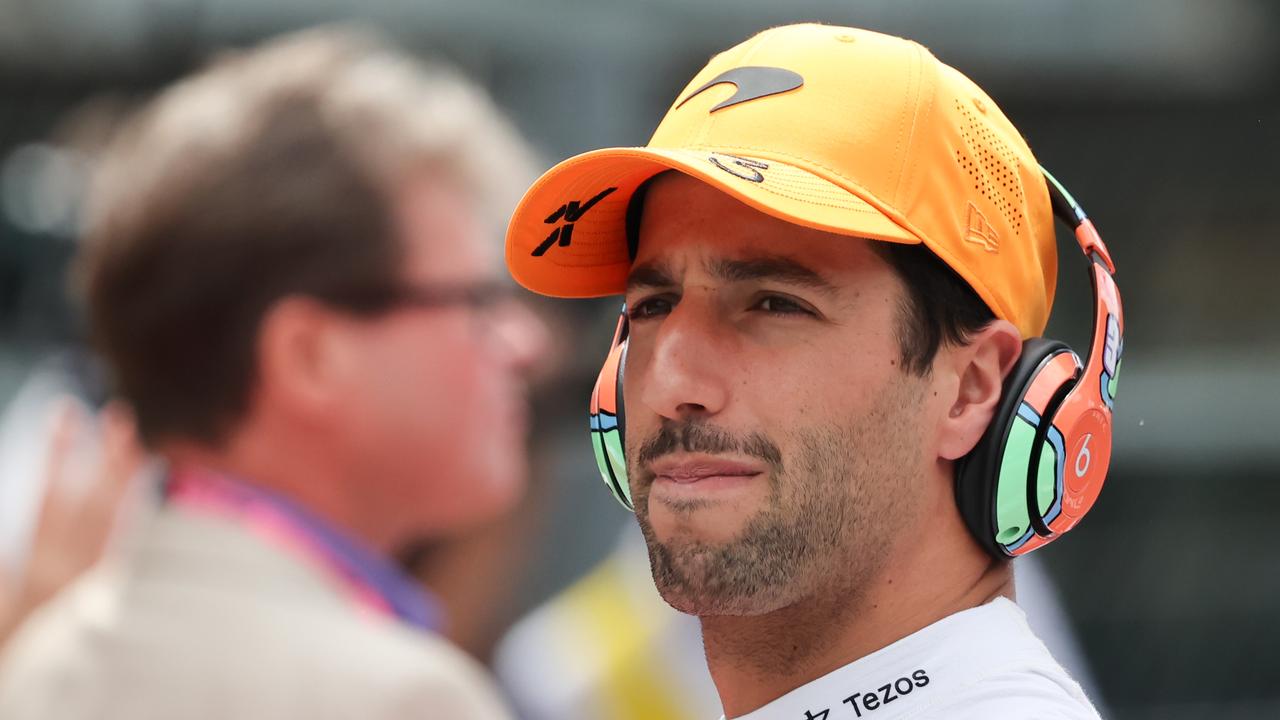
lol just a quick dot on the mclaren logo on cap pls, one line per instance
(752, 82)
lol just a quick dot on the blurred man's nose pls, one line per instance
(524, 336)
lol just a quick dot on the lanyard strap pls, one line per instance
(289, 527)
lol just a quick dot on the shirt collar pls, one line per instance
(916, 671)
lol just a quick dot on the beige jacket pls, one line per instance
(205, 620)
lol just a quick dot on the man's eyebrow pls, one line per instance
(649, 275)
(770, 267)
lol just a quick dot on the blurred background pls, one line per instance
(1162, 118)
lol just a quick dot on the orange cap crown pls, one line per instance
(845, 130)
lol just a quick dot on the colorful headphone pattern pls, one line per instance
(1040, 465)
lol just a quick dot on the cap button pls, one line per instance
(982, 107)
(845, 38)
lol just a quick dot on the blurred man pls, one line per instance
(287, 269)
(831, 251)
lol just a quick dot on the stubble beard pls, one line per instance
(833, 512)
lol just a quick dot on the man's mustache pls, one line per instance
(703, 438)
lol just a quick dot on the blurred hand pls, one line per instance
(80, 505)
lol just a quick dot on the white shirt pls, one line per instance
(978, 664)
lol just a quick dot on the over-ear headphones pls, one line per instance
(1039, 467)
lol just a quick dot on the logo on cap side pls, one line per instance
(571, 211)
(752, 82)
(979, 231)
(747, 165)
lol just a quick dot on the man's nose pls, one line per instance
(524, 336)
(684, 376)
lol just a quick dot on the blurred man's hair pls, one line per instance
(271, 173)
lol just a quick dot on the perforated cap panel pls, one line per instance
(993, 167)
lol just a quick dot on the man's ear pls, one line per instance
(979, 368)
(296, 355)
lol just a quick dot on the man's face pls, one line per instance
(774, 442)
(440, 409)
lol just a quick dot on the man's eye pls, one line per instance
(649, 308)
(779, 305)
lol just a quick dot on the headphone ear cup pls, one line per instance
(620, 410)
(607, 421)
(991, 481)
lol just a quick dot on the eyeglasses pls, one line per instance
(495, 312)
(484, 295)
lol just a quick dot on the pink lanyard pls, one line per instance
(210, 493)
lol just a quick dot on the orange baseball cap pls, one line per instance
(840, 129)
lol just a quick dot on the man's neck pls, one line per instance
(757, 659)
(295, 470)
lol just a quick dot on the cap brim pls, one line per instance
(568, 238)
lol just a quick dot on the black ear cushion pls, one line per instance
(977, 472)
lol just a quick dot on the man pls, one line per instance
(287, 270)
(831, 252)
(609, 647)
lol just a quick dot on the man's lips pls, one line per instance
(689, 470)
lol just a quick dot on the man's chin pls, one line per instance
(705, 606)
(695, 523)
(695, 580)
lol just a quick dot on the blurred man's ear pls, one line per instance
(973, 375)
(300, 355)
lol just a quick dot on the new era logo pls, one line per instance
(979, 232)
